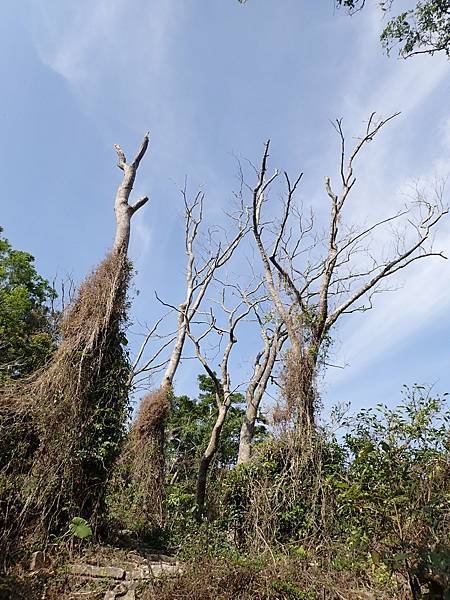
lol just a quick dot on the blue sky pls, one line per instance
(212, 79)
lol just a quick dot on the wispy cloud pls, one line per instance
(88, 42)
(141, 240)
(420, 300)
(123, 60)
(392, 165)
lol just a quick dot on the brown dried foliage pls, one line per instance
(139, 479)
(283, 579)
(285, 474)
(151, 417)
(52, 418)
(298, 389)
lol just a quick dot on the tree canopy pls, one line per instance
(26, 332)
(421, 29)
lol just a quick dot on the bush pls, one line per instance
(377, 501)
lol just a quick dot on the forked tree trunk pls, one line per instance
(123, 210)
(264, 366)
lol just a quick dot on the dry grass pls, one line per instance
(283, 579)
(51, 419)
(139, 478)
(285, 476)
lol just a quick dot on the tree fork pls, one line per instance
(123, 210)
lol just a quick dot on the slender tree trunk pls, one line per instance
(254, 396)
(246, 435)
(206, 460)
(177, 350)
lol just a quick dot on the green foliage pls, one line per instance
(393, 500)
(291, 591)
(105, 431)
(188, 432)
(189, 429)
(62, 428)
(80, 528)
(27, 337)
(373, 504)
(378, 501)
(423, 28)
(281, 492)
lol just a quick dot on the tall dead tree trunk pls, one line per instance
(199, 275)
(123, 210)
(76, 406)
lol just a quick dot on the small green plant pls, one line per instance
(80, 528)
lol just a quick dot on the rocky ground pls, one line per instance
(100, 574)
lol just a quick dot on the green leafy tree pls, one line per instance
(27, 336)
(393, 501)
(421, 29)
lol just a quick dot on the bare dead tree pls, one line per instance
(199, 273)
(205, 257)
(332, 276)
(223, 389)
(203, 262)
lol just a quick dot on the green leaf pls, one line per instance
(80, 528)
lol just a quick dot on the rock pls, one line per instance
(122, 591)
(93, 571)
(37, 561)
(160, 558)
(130, 595)
(139, 573)
(134, 556)
(163, 568)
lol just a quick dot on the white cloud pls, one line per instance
(91, 46)
(68, 37)
(396, 318)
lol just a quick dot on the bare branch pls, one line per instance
(139, 204)
(121, 155)
(142, 150)
(122, 208)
